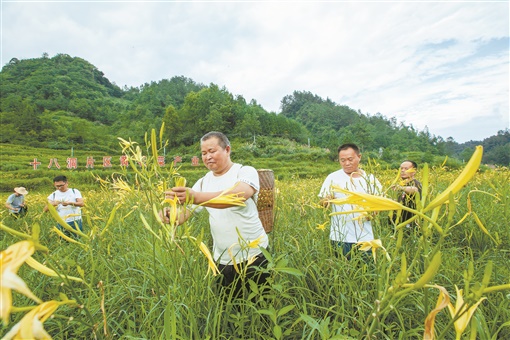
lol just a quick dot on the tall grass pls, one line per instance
(154, 286)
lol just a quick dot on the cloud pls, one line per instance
(436, 64)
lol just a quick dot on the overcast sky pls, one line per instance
(444, 65)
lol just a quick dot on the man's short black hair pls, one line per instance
(349, 146)
(415, 165)
(222, 139)
(60, 178)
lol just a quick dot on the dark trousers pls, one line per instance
(76, 224)
(346, 249)
(233, 282)
(21, 213)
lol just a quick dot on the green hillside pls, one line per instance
(65, 103)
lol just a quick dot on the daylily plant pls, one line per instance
(31, 326)
(462, 312)
(11, 259)
(373, 245)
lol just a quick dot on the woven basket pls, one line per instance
(266, 199)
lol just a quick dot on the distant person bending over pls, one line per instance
(232, 227)
(348, 229)
(407, 191)
(16, 202)
(68, 203)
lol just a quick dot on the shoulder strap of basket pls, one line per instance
(55, 191)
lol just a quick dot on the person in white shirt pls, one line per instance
(348, 229)
(232, 227)
(68, 203)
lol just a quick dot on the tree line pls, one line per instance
(65, 101)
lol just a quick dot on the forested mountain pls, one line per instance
(65, 101)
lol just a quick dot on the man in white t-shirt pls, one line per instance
(68, 203)
(232, 227)
(348, 229)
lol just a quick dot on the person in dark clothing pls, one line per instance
(407, 190)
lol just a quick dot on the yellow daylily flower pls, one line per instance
(125, 144)
(362, 217)
(442, 301)
(120, 184)
(322, 226)
(251, 260)
(31, 326)
(373, 245)
(180, 182)
(366, 202)
(255, 242)
(463, 311)
(465, 176)
(11, 260)
(210, 260)
(173, 209)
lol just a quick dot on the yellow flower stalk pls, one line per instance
(430, 272)
(11, 259)
(45, 270)
(230, 199)
(465, 176)
(373, 245)
(210, 260)
(65, 237)
(462, 311)
(366, 202)
(234, 262)
(63, 223)
(31, 326)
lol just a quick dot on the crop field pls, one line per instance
(130, 276)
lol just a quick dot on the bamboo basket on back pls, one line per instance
(265, 201)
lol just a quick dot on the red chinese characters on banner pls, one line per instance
(53, 161)
(90, 162)
(194, 161)
(161, 160)
(72, 163)
(124, 160)
(35, 164)
(107, 161)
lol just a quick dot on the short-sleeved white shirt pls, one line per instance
(69, 212)
(343, 227)
(227, 225)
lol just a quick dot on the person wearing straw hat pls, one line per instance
(16, 202)
(237, 231)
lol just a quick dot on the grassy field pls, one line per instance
(140, 279)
